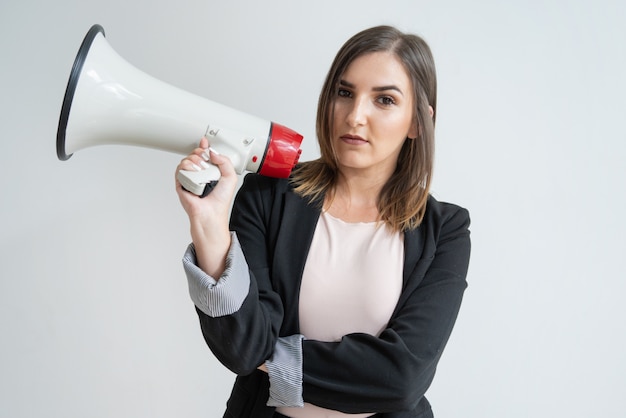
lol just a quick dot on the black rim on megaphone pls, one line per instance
(81, 56)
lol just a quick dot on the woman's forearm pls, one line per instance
(211, 242)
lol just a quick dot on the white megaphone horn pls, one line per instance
(108, 101)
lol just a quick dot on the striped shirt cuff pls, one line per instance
(218, 297)
(285, 372)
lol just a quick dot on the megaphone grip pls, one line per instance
(201, 182)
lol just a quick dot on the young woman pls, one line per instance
(334, 292)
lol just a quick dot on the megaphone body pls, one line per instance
(108, 101)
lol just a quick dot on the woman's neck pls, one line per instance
(354, 198)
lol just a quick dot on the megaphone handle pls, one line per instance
(201, 182)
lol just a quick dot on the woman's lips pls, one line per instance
(353, 139)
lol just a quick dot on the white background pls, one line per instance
(95, 319)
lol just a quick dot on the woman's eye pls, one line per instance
(343, 93)
(386, 100)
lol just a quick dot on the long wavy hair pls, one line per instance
(402, 200)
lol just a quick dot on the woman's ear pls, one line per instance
(415, 130)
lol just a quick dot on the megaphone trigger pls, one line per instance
(201, 182)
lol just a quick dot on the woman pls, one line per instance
(334, 292)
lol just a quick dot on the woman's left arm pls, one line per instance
(391, 372)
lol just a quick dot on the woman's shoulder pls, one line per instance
(443, 223)
(266, 191)
(283, 185)
(442, 214)
(442, 207)
(262, 183)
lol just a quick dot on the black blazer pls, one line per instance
(388, 374)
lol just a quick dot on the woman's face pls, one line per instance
(373, 114)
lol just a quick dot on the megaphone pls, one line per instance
(109, 101)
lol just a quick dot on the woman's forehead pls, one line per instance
(376, 70)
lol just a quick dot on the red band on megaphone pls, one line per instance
(283, 152)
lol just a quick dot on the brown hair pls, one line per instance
(402, 200)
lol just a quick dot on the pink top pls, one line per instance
(351, 283)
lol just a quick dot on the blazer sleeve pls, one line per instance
(391, 372)
(243, 340)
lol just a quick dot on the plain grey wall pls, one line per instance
(94, 312)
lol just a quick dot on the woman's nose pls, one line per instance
(357, 114)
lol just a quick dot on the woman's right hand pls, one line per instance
(208, 216)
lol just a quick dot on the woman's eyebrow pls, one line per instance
(381, 88)
(390, 87)
(346, 84)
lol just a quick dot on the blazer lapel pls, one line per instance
(293, 242)
(413, 247)
(413, 254)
